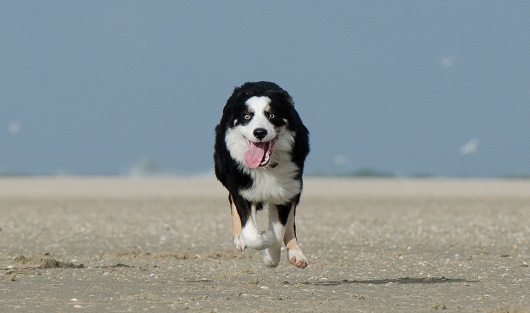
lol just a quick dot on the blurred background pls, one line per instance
(387, 88)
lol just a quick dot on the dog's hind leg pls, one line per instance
(294, 253)
(236, 225)
(271, 256)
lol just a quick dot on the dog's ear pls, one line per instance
(282, 95)
(241, 93)
(233, 101)
(238, 93)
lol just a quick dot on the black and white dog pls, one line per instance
(260, 148)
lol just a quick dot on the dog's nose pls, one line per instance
(260, 133)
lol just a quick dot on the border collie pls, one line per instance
(260, 148)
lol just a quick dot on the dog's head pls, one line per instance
(258, 117)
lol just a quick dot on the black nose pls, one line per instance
(260, 133)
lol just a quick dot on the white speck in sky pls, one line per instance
(447, 60)
(340, 159)
(469, 147)
(14, 128)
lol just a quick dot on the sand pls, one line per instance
(164, 244)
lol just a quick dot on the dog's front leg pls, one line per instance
(252, 236)
(248, 235)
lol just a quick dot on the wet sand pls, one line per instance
(164, 244)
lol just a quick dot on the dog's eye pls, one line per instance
(247, 116)
(272, 115)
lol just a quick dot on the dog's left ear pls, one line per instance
(282, 95)
(234, 98)
(244, 93)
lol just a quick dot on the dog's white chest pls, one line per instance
(273, 185)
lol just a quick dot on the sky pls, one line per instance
(406, 87)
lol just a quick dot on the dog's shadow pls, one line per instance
(403, 280)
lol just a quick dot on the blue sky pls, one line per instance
(409, 87)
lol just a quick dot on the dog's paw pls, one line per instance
(239, 243)
(297, 258)
(271, 256)
(258, 241)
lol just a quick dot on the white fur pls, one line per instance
(236, 144)
(254, 239)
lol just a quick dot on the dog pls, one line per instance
(260, 148)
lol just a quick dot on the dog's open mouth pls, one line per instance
(259, 153)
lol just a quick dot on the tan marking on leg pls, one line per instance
(236, 220)
(292, 244)
(289, 235)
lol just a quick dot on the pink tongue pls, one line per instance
(255, 153)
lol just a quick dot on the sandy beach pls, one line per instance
(164, 244)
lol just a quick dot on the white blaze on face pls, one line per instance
(251, 151)
(258, 106)
(260, 145)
